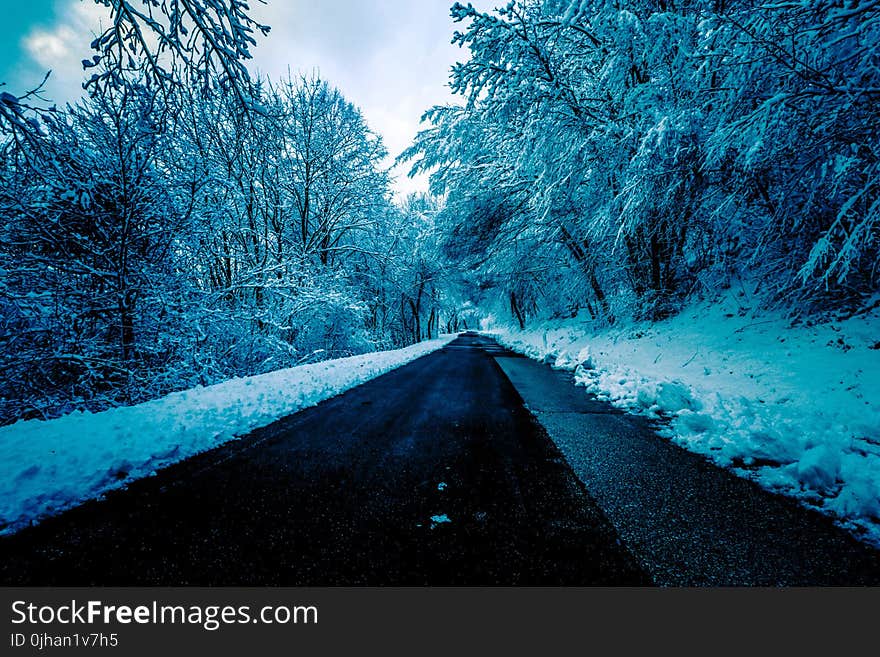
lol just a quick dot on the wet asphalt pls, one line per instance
(432, 474)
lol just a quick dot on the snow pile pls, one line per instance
(795, 408)
(48, 466)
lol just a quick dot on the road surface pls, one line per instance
(437, 473)
(431, 474)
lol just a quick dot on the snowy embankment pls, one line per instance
(797, 409)
(48, 466)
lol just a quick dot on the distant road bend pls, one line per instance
(469, 466)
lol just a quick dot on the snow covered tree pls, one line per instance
(290, 194)
(209, 39)
(88, 254)
(161, 234)
(643, 152)
(162, 43)
(332, 166)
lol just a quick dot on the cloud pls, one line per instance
(50, 48)
(60, 48)
(389, 57)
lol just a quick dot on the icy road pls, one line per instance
(470, 465)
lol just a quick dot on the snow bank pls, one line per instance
(795, 408)
(48, 466)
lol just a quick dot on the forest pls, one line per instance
(623, 157)
(185, 224)
(188, 222)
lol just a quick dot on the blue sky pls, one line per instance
(16, 21)
(390, 57)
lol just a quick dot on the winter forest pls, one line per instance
(188, 222)
(625, 269)
(622, 156)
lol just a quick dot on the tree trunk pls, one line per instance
(514, 307)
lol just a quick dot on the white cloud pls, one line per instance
(62, 47)
(389, 57)
(49, 48)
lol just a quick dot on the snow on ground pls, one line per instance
(48, 466)
(796, 408)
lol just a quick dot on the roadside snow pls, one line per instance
(439, 519)
(795, 408)
(49, 466)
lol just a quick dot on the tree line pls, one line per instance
(183, 224)
(623, 157)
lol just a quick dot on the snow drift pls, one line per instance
(797, 409)
(49, 466)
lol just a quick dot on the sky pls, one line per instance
(389, 57)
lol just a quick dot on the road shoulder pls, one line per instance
(687, 521)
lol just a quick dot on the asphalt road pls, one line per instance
(469, 466)
(431, 474)
(687, 521)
